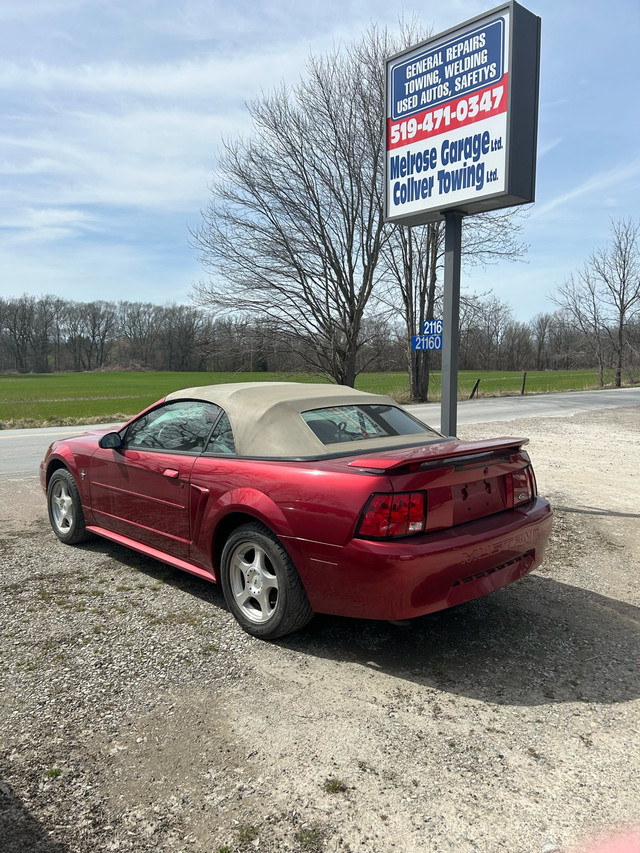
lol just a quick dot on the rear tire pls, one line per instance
(261, 585)
(65, 508)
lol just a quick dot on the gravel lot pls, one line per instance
(136, 716)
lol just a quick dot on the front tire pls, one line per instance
(65, 508)
(261, 585)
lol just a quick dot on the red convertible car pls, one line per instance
(302, 498)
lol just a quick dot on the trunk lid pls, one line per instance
(436, 452)
(463, 480)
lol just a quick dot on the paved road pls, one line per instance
(22, 449)
(487, 409)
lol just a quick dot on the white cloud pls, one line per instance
(283, 22)
(46, 223)
(158, 160)
(214, 76)
(35, 166)
(548, 145)
(599, 183)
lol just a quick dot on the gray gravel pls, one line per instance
(136, 716)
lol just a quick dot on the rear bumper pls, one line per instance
(411, 577)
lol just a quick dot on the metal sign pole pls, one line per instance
(451, 317)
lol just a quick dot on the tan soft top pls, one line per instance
(265, 416)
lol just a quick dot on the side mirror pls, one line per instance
(110, 441)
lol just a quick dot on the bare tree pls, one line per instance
(140, 326)
(100, 328)
(90, 331)
(617, 269)
(412, 259)
(540, 332)
(184, 335)
(485, 328)
(517, 347)
(295, 226)
(17, 320)
(602, 300)
(32, 331)
(41, 333)
(74, 331)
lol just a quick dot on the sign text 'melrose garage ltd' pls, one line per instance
(450, 110)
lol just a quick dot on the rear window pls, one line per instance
(362, 422)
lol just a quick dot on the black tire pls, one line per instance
(65, 508)
(261, 585)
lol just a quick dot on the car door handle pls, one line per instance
(171, 473)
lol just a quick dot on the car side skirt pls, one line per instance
(154, 553)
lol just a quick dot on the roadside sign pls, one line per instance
(431, 337)
(426, 342)
(432, 327)
(461, 116)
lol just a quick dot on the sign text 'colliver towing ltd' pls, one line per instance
(461, 115)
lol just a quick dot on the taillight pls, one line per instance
(390, 515)
(523, 484)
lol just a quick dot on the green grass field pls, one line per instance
(57, 398)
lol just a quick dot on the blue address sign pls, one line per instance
(426, 342)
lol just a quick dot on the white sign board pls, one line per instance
(452, 104)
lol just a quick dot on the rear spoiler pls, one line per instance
(437, 452)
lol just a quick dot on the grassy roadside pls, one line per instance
(34, 400)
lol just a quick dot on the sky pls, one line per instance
(113, 112)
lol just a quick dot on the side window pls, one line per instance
(221, 440)
(181, 426)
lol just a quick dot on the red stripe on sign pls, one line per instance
(488, 102)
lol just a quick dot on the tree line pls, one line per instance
(47, 334)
